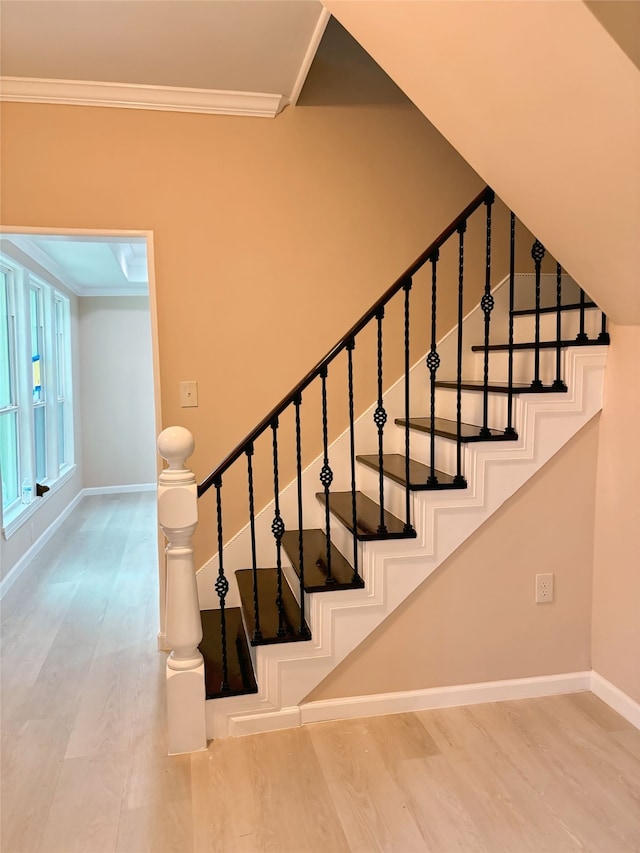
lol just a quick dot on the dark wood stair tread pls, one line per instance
(240, 676)
(496, 387)
(449, 429)
(314, 550)
(394, 467)
(268, 609)
(543, 345)
(367, 517)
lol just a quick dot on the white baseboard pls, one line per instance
(120, 490)
(616, 698)
(444, 697)
(14, 573)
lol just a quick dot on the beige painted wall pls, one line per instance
(51, 505)
(116, 391)
(541, 101)
(271, 237)
(616, 581)
(475, 618)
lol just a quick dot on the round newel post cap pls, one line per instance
(176, 444)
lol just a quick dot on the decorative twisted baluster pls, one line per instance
(487, 303)
(257, 633)
(509, 430)
(221, 586)
(351, 344)
(582, 337)
(277, 528)
(408, 527)
(558, 384)
(380, 419)
(303, 630)
(459, 480)
(537, 253)
(326, 474)
(433, 363)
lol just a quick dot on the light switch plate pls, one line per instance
(188, 394)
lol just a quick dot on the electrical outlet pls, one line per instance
(544, 588)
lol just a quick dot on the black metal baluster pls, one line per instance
(433, 363)
(222, 588)
(603, 337)
(257, 633)
(537, 253)
(303, 630)
(380, 419)
(509, 430)
(326, 474)
(277, 528)
(558, 384)
(459, 480)
(582, 337)
(487, 303)
(408, 527)
(352, 451)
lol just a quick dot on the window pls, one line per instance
(8, 409)
(36, 420)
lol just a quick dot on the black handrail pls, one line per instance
(265, 423)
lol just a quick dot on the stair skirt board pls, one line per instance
(392, 570)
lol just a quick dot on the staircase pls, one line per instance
(396, 492)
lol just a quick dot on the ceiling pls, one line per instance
(91, 265)
(211, 46)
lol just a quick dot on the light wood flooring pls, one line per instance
(84, 765)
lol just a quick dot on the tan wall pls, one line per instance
(271, 236)
(475, 618)
(116, 391)
(616, 581)
(542, 102)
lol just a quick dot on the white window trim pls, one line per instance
(15, 514)
(18, 513)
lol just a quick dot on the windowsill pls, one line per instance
(19, 514)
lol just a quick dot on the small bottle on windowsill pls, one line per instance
(27, 491)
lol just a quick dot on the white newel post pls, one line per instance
(178, 519)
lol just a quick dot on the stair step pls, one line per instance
(497, 387)
(449, 429)
(268, 609)
(552, 309)
(394, 467)
(314, 545)
(542, 345)
(240, 676)
(367, 517)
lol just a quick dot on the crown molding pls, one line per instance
(138, 97)
(310, 54)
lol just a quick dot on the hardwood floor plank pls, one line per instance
(371, 806)
(85, 811)
(32, 759)
(264, 793)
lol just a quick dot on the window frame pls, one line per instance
(52, 470)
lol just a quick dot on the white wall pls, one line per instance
(116, 391)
